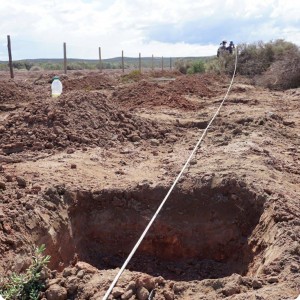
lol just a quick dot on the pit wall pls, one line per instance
(202, 223)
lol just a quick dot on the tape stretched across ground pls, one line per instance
(171, 188)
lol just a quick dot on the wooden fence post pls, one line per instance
(10, 58)
(152, 62)
(123, 61)
(100, 59)
(65, 58)
(140, 63)
(162, 63)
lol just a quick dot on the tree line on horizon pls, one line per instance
(94, 64)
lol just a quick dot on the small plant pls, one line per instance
(134, 75)
(36, 69)
(214, 65)
(182, 66)
(196, 67)
(190, 66)
(28, 285)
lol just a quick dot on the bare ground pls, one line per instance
(84, 173)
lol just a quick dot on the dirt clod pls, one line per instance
(2, 185)
(142, 293)
(21, 182)
(56, 292)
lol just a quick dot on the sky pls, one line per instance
(169, 28)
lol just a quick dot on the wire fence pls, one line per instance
(64, 63)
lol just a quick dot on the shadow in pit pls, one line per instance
(203, 233)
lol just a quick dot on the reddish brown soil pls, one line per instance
(74, 120)
(85, 172)
(89, 82)
(148, 94)
(12, 93)
(166, 93)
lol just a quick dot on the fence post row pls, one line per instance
(152, 62)
(100, 59)
(10, 57)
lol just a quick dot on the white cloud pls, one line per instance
(286, 10)
(170, 28)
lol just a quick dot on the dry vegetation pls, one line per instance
(275, 65)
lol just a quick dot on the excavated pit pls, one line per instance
(203, 233)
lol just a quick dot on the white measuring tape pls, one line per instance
(171, 189)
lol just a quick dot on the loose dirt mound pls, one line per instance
(75, 119)
(165, 73)
(11, 92)
(147, 94)
(199, 85)
(89, 82)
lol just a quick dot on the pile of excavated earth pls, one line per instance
(85, 172)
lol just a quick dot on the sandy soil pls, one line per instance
(84, 173)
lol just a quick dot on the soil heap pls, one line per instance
(75, 119)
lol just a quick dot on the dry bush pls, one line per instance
(275, 64)
(256, 58)
(133, 76)
(182, 65)
(283, 73)
(36, 69)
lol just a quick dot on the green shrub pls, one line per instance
(22, 64)
(220, 64)
(196, 67)
(3, 67)
(28, 65)
(189, 66)
(28, 285)
(18, 65)
(51, 66)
